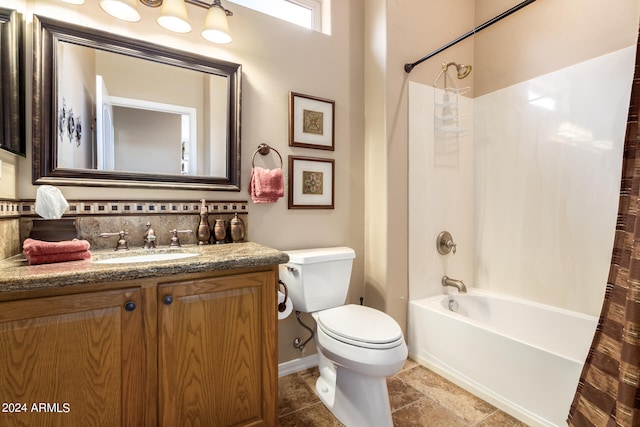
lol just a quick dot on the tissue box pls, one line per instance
(54, 230)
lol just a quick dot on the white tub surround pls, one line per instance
(530, 193)
(547, 164)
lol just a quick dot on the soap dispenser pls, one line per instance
(204, 232)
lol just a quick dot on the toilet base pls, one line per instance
(355, 399)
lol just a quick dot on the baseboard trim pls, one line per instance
(297, 365)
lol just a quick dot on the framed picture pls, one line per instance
(311, 122)
(311, 183)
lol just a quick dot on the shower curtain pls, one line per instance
(608, 392)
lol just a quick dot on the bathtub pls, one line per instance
(524, 358)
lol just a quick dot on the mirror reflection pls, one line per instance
(118, 113)
(123, 112)
(12, 77)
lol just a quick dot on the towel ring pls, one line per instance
(265, 149)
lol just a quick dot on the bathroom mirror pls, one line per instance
(115, 111)
(11, 82)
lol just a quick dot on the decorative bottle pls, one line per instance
(237, 229)
(220, 230)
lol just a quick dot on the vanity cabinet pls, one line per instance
(189, 349)
(72, 360)
(216, 351)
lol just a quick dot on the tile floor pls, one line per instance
(418, 398)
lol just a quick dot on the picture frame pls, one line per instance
(311, 183)
(311, 122)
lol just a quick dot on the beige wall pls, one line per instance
(398, 32)
(546, 36)
(277, 57)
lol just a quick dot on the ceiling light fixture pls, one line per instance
(216, 26)
(173, 15)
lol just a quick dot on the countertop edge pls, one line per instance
(17, 276)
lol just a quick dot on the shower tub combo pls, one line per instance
(523, 357)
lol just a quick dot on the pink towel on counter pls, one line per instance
(266, 185)
(40, 247)
(41, 252)
(53, 258)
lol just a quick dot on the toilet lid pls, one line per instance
(361, 326)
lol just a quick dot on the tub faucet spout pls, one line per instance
(458, 284)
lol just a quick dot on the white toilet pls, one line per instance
(357, 346)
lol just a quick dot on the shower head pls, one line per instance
(463, 70)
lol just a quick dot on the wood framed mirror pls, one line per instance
(12, 136)
(120, 112)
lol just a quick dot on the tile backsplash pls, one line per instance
(111, 207)
(105, 216)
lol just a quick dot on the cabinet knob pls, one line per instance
(130, 306)
(167, 299)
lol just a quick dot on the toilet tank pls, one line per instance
(318, 279)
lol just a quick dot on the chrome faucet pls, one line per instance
(458, 284)
(122, 243)
(175, 241)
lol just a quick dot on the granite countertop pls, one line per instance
(17, 275)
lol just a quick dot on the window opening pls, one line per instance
(306, 13)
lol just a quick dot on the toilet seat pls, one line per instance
(360, 326)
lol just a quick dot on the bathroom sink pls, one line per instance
(154, 257)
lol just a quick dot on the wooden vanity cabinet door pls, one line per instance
(72, 360)
(218, 351)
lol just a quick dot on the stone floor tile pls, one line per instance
(426, 412)
(316, 415)
(401, 394)
(418, 397)
(293, 394)
(500, 419)
(408, 364)
(455, 399)
(310, 376)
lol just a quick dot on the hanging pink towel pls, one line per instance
(266, 185)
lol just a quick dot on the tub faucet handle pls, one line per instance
(445, 243)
